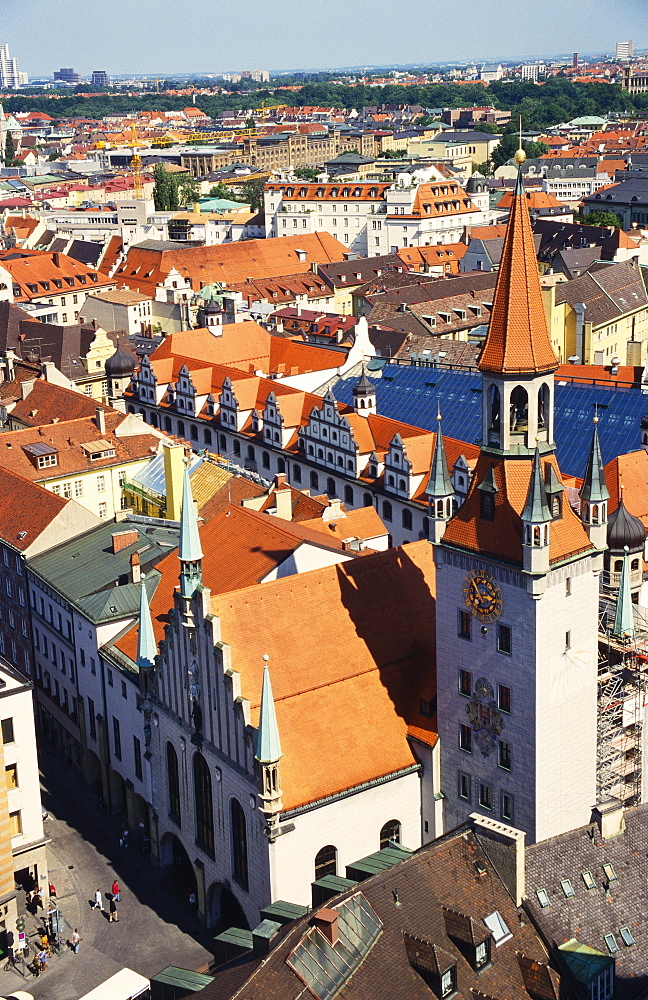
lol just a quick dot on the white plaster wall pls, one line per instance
(552, 724)
(17, 704)
(307, 557)
(352, 825)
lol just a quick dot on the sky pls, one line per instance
(213, 36)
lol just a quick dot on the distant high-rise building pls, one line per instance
(530, 71)
(67, 75)
(99, 78)
(624, 50)
(575, 60)
(10, 75)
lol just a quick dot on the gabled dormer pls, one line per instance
(228, 405)
(471, 936)
(436, 967)
(144, 382)
(210, 405)
(185, 392)
(272, 421)
(398, 468)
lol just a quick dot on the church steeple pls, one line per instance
(439, 490)
(517, 361)
(189, 550)
(268, 753)
(594, 494)
(146, 646)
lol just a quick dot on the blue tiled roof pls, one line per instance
(410, 394)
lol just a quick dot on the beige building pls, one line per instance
(461, 148)
(118, 309)
(600, 316)
(23, 853)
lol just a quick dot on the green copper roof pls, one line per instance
(439, 484)
(585, 963)
(536, 509)
(624, 617)
(146, 647)
(268, 744)
(594, 489)
(189, 549)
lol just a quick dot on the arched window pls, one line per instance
(329, 456)
(407, 519)
(239, 843)
(543, 406)
(402, 484)
(193, 432)
(326, 862)
(390, 480)
(207, 437)
(311, 450)
(250, 453)
(387, 510)
(296, 473)
(634, 565)
(320, 453)
(495, 411)
(281, 465)
(348, 495)
(314, 481)
(519, 415)
(173, 783)
(340, 461)
(595, 514)
(167, 424)
(367, 500)
(237, 447)
(350, 464)
(265, 460)
(222, 442)
(618, 565)
(181, 429)
(426, 527)
(203, 804)
(330, 487)
(390, 831)
(536, 535)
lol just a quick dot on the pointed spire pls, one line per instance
(189, 549)
(594, 488)
(624, 617)
(268, 744)
(536, 509)
(146, 646)
(517, 339)
(439, 484)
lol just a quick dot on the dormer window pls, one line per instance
(482, 955)
(42, 455)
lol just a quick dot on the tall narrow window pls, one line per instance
(239, 843)
(326, 862)
(203, 804)
(173, 783)
(391, 831)
(117, 738)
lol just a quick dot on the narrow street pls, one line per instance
(154, 930)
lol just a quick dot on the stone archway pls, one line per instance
(223, 910)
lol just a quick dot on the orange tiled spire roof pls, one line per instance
(517, 339)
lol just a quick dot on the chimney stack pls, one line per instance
(100, 419)
(283, 503)
(326, 920)
(609, 817)
(26, 388)
(499, 840)
(136, 569)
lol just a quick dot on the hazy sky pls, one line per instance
(175, 36)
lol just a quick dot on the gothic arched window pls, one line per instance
(495, 410)
(203, 804)
(173, 783)
(543, 406)
(239, 843)
(519, 415)
(390, 831)
(326, 862)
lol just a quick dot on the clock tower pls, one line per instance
(517, 589)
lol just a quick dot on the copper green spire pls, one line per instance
(146, 646)
(189, 550)
(268, 744)
(594, 488)
(536, 509)
(439, 484)
(624, 617)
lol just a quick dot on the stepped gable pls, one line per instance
(517, 339)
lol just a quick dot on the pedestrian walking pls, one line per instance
(98, 901)
(116, 891)
(52, 890)
(75, 941)
(37, 899)
(123, 840)
(113, 915)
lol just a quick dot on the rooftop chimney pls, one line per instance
(122, 539)
(327, 922)
(333, 511)
(499, 841)
(26, 388)
(283, 503)
(100, 419)
(136, 569)
(56, 259)
(610, 818)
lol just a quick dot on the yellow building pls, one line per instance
(601, 315)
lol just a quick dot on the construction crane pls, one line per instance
(136, 167)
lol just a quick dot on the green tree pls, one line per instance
(483, 168)
(599, 218)
(9, 151)
(250, 122)
(508, 145)
(165, 189)
(252, 192)
(222, 191)
(188, 190)
(307, 173)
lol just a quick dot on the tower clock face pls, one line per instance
(482, 595)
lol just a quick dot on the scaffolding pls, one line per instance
(622, 686)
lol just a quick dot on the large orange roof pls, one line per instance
(502, 537)
(517, 339)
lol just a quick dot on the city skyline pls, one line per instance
(422, 31)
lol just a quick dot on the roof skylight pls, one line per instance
(589, 880)
(496, 925)
(612, 943)
(567, 888)
(610, 873)
(543, 898)
(626, 936)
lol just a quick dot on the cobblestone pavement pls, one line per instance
(154, 930)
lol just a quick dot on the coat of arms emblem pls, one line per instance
(485, 717)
